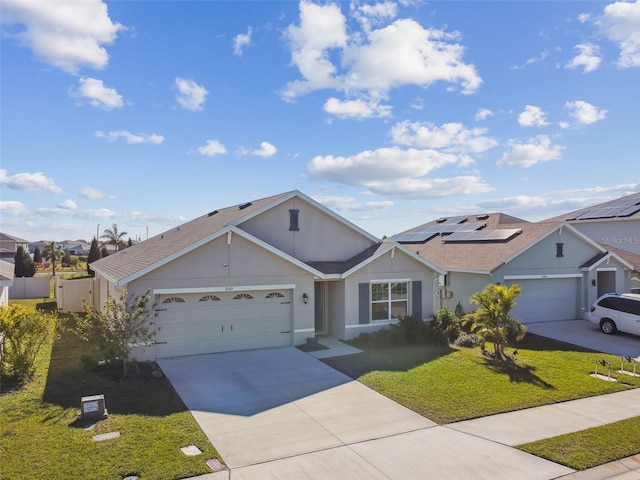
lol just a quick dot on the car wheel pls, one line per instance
(607, 326)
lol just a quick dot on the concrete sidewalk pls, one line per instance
(531, 424)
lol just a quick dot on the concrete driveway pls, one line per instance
(280, 413)
(585, 334)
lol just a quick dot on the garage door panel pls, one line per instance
(195, 327)
(547, 299)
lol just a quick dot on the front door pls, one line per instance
(320, 310)
(606, 282)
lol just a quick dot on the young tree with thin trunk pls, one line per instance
(52, 252)
(120, 324)
(492, 320)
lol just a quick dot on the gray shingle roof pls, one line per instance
(482, 256)
(132, 260)
(563, 217)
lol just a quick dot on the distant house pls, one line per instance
(615, 223)
(267, 273)
(9, 246)
(6, 281)
(562, 270)
(75, 247)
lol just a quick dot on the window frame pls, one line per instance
(389, 300)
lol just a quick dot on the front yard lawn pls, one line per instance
(39, 440)
(591, 447)
(448, 385)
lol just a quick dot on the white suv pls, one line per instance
(613, 312)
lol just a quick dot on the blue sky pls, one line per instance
(150, 113)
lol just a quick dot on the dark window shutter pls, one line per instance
(416, 298)
(363, 301)
(293, 220)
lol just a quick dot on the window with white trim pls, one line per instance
(389, 300)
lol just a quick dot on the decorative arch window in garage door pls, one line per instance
(224, 321)
(173, 300)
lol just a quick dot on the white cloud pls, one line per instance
(370, 15)
(367, 64)
(29, 182)
(532, 117)
(68, 204)
(537, 150)
(625, 188)
(191, 96)
(98, 95)
(452, 137)
(359, 109)
(351, 204)
(91, 193)
(483, 114)
(240, 41)
(396, 172)
(129, 137)
(584, 112)
(432, 187)
(620, 22)
(65, 34)
(588, 59)
(13, 208)
(212, 147)
(266, 150)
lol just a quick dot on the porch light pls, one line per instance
(305, 298)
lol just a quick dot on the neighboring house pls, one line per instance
(6, 281)
(614, 224)
(266, 273)
(9, 246)
(75, 247)
(561, 270)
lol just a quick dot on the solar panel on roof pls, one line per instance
(502, 234)
(629, 211)
(576, 215)
(460, 219)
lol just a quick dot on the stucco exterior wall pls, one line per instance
(320, 237)
(387, 267)
(232, 266)
(541, 258)
(462, 286)
(619, 233)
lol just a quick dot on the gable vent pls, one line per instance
(484, 216)
(211, 214)
(244, 205)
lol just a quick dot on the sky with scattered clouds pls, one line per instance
(392, 113)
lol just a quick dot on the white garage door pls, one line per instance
(547, 299)
(192, 324)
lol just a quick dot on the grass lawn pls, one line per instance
(591, 447)
(38, 439)
(448, 385)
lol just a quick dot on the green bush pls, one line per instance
(25, 330)
(468, 340)
(445, 327)
(414, 330)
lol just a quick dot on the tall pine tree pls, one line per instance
(94, 254)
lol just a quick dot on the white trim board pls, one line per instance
(231, 288)
(542, 277)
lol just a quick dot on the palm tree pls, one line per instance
(52, 251)
(492, 320)
(114, 237)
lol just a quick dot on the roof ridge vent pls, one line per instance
(244, 205)
(211, 214)
(483, 216)
(441, 220)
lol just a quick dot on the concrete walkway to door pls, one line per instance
(282, 414)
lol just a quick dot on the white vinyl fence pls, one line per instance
(29, 287)
(69, 293)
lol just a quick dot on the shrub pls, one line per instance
(445, 327)
(468, 340)
(25, 331)
(414, 330)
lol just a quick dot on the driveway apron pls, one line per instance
(280, 413)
